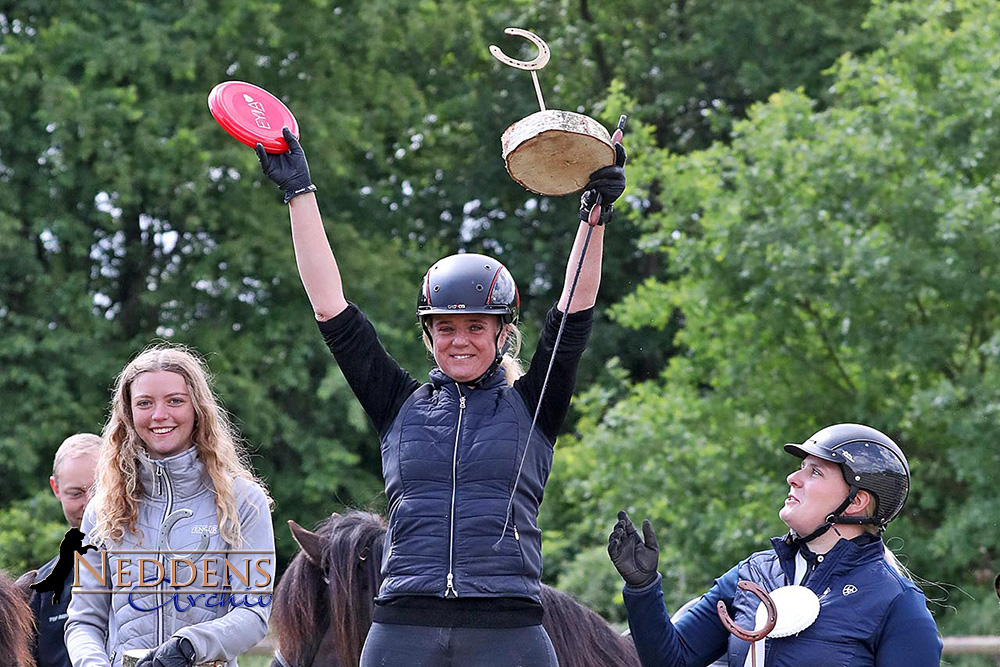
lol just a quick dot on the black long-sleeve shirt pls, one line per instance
(382, 385)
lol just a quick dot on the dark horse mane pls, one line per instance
(581, 637)
(17, 625)
(320, 597)
(328, 589)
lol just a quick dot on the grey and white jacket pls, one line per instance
(177, 520)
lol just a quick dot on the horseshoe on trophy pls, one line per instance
(751, 636)
(537, 63)
(168, 524)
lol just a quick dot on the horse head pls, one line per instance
(323, 604)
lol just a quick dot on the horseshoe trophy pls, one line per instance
(752, 636)
(551, 152)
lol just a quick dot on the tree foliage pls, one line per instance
(127, 215)
(830, 264)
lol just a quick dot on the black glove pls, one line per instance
(288, 170)
(635, 561)
(175, 652)
(609, 183)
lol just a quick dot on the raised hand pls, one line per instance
(635, 558)
(606, 185)
(288, 170)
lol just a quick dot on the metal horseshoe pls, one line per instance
(750, 635)
(168, 525)
(540, 61)
(537, 63)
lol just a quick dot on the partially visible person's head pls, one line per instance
(467, 307)
(16, 624)
(850, 474)
(73, 472)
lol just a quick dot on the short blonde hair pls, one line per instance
(75, 447)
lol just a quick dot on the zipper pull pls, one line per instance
(461, 402)
(451, 586)
(516, 536)
(159, 480)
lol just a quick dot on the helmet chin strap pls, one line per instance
(831, 520)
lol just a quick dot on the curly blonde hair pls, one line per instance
(118, 489)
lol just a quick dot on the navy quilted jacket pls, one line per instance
(869, 615)
(450, 459)
(450, 455)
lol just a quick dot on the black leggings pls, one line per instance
(420, 646)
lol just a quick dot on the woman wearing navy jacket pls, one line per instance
(464, 470)
(852, 482)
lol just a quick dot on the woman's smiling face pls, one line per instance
(464, 345)
(163, 413)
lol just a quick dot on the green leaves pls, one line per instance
(833, 263)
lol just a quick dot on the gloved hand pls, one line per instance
(289, 170)
(175, 652)
(635, 558)
(609, 182)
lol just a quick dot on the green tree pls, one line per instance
(830, 265)
(127, 214)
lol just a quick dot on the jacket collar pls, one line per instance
(184, 472)
(845, 554)
(495, 379)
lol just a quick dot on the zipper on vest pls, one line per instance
(450, 584)
(163, 479)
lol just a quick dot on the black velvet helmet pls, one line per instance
(468, 283)
(869, 460)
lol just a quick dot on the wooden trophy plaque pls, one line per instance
(551, 152)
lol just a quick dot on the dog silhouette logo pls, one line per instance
(72, 542)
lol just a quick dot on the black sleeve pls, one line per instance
(559, 390)
(380, 384)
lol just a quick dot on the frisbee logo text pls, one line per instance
(257, 109)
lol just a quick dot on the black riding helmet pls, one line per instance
(869, 461)
(465, 284)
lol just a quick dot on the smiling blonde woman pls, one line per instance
(465, 455)
(174, 489)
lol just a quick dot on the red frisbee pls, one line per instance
(252, 115)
